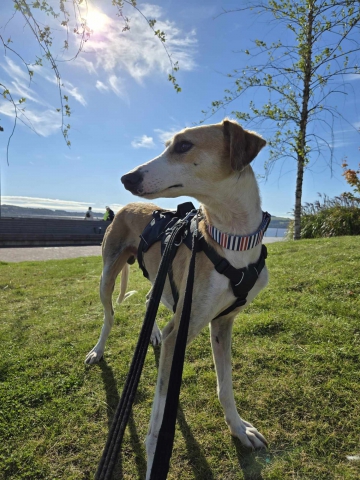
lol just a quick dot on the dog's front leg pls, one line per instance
(220, 332)
(198, 320)
(107, 283)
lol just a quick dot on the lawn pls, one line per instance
(296, 363)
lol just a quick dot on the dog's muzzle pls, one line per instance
(132, 181)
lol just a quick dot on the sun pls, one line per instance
(96, 20)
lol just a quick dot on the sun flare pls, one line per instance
(96, 20)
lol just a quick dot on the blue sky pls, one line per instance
(124, 109)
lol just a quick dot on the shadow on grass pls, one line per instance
(112, 400)
(112, 394)
(251, 462)
(248, 461)
(196, 457)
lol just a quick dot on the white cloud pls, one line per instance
(82, 62)
(116, 86)
(138, 51)
(70, 157)
(44, 123)
(143, 142)
(74, 92)
(55, 204)
(13, 70)
(353, 76)
(101, 86)
(340, 144)
(18, 87)
(165, 135)
(43, 119)
(115, 206)
(20, 82)
(68, 88)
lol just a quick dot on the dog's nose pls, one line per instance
(131, 180)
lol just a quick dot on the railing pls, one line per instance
(275, 232)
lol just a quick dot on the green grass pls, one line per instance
(295, 360)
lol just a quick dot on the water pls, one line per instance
(275, 232)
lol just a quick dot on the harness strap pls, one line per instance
(242, 280)
(239, 302)
(140, 257)
(174, 290)
(160, 228)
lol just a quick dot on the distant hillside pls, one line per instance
(13, 211)
(279, 222)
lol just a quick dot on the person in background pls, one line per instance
(89, 214)
(109, 215)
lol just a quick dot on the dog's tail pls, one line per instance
(123, 284)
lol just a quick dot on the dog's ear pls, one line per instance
(243, 145)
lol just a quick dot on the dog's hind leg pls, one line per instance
(111, 270)
(220, 333)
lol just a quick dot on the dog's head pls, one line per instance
(194, 160)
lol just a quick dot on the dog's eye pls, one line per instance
(182, 147)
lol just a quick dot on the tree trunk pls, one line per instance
(301, 140)
(298, 194)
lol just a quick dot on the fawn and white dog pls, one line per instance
(212, 164)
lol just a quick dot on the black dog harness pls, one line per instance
(160, 228)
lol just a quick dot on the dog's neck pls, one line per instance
(233, 205)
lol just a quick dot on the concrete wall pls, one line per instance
(18, 232)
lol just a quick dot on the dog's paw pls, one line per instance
(94, 356)
(156, 337)
(248, 435)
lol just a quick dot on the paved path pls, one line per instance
(273, 239)
(22, 254)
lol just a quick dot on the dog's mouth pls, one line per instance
(158, 192)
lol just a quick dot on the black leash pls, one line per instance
(122, 414)
(165, 442)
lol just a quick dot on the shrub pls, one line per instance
(329, 217)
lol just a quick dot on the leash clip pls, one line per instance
(182, 238)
